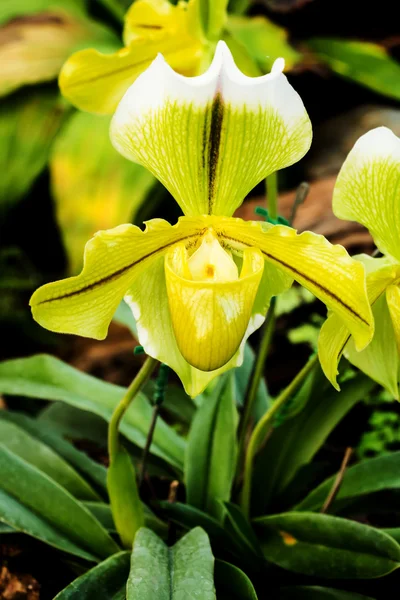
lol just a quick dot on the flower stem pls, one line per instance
(263, 426)
(256, 376)
(272, 195)
(119, 411)
(158, 399)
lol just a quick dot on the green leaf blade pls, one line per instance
(104, 582)
(325, 546)
(212, 450)
(367, 477)
(45, 498)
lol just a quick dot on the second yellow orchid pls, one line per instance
(199, 288)
(95, 82)
(368, 191)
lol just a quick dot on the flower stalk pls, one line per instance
(272, 195)
(263, 426)
(121, 408)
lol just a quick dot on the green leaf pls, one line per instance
(104, 582)
(231, 583)
(242, 377)
(325, 546)
(14, 514)
(94, 187)
(47, 378)
(238, 6)
(9, 9)
(102, 512)
(6, 529)
(44, 458)
(295, 442)
(93, 471)
(263, 40)
(363, 62)
(183, 572)
(211, 452)
(311, 592)
(241, 529)
(73, 423)
(126, 506)
(29, 123)
(33, 48)
(213, 15)
(33, 503)
(372, 475)
(190, 517)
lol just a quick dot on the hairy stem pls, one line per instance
(119, 411)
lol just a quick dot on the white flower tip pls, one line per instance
(278, 65)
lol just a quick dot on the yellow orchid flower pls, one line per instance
(199, 288)
(368, 191)
(95, 82)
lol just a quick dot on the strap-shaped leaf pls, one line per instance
(105, 581)
(35, 498)
(211, 451)
(47, 378)
(325, 546)
(125, 503)
(183, 572)
(367, 477)
(94, 472)
(232, 583)
(44, 458)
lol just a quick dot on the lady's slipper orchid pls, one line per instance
(199, 288)
(368, 191)
(96, 82)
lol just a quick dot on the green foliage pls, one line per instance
(263, 40)
(47, 378)
(321, 545)
(92, 184)
(184, 571)
(362, 62)
(93, 471)
(124, 497)
(369, 476)
(44, 458)
(297, 440)
(232, 583)
(29, 123)
(33, 503)
(210, 460)
(308, 592)
(106, 581)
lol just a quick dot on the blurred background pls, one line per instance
(61, 180)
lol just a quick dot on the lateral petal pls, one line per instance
(334, 335)
(113, 259)
(325, 269)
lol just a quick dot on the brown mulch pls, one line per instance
(316, 215)
(14, 586)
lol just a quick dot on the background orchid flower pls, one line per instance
(199, 288)
(368, 191)
(96, 82)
